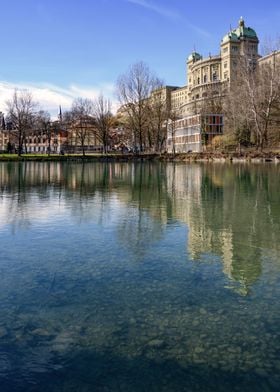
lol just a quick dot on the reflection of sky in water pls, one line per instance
(36, 212)
(140, 278)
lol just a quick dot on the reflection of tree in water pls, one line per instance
(91, 191)
(246, 266)
(26, 185)
(18, 214)
(146, 212)
(231, 210)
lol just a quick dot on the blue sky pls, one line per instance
(62, 49)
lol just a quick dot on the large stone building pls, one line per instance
(207, 82)
(207, 77)
(271, 59)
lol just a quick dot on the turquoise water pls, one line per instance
(139, 277)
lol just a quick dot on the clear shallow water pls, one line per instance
(130, 277)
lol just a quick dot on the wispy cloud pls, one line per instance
(198, 30)
(169, 13)
(50, 97)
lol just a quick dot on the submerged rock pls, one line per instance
(3, 332)
(40, 332)
(156, 343)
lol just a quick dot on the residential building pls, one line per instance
(193, 133)
(35, 141)
(82, 135)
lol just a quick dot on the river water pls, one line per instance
(139, 277)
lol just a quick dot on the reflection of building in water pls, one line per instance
(184, 188)
(217, 202)
(184, 184)
(227, 252)
(203, 205)
(29, 174)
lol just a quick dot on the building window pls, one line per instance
(205, 79)
(214, 76)
(225, 64)
(225, 49)
(253, 48)
(225, 75)
(234, 48)
(198, 80)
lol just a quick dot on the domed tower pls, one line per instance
(193, 58)
(242, 41)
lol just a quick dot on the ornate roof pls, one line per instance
(194, 56)
(240, 32)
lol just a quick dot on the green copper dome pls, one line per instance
(241, 31)
(231, 36)
(194, 56)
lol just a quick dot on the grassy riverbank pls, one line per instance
(76, 157)
(250, 155)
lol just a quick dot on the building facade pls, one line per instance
(210, 77)
(57, 138)
(35, 141)
(207, 82)
(193, 133)
(272, 59)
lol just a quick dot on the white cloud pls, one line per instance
(50, 96)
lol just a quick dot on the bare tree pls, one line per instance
(238, 129)
(43, 122)
(269, 97)
(253, 103)
(262, 90)
(103, 120)
(134, 89)
(21, 114)
(82, 122)
(158, 115)
(212, 101)
(173, 116)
